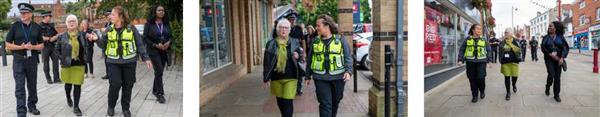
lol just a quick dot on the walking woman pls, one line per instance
(123, 45)
(89, 55)
(330, 65)
(510, 51)
(157, 36)
(555, 49)
(71, 48)
(281, 71)
(476, 53)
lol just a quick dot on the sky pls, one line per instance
(526, 10)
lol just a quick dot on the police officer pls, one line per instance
(494, 42)
(533, 44)
(123, 45)
(475, 52)
(24, 39)
(49, 35)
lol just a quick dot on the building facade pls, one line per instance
(585, 18)
(539, 24)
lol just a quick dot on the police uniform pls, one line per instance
(122, 46)
(25, 62)
(49, 53)
(476, 52)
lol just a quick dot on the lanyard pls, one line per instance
(25, 32)
(160, 29)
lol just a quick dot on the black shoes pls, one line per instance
(547, 92)
(57, 81)
(474, 99)
(515, 89)
(482, 95)
(161, 99)
(110, 112)
(126, 113)
(557, 98)
(77, 111)
(34, 111)
(507, 97)
(49, 82)
(69, 102)
(105, 77)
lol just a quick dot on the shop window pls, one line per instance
(214, 40)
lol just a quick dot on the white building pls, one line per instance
(539, 24)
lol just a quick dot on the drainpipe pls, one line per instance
(399, 56)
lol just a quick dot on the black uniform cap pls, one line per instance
(25, 7)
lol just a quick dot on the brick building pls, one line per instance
(586, 23)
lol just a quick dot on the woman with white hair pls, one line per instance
(510, 56)
(281, 71)
(71, 48)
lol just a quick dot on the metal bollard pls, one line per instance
(595, 69)
(355, 66)
(388, 65)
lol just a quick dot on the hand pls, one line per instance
(560, 61)
(296, 55)
(28, 46)
(45, 38)
(148, 65)
(346, 76)
(266, 85)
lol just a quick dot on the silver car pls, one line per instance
(363, 45)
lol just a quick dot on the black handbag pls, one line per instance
(564, 65)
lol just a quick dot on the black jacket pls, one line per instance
(514, 58)
(270, 58)
(152, 36)
(63, 46)
(561, 50)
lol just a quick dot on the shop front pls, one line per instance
(582, 40)
(595, 36)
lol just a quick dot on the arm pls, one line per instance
(266, 78)
(147, 38)
(543, 47)
(10, 38)
(139, 43)
(488, 49)
(347, 56)
(461, 51)
(565, 48)
(309, 61)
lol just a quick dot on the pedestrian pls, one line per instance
(157, 36)
(107, 25)
(123, 45)
(298, 33)
(72, 48)
(49, 35)
(510, 50)
(494, 45)
(329, 64)
(555, 49)
(533, 44)
(281, 71)
(24, 39)
(475, 52)
(523, 43)
(89, 55)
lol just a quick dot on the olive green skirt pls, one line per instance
(510, 69)
(72, 75)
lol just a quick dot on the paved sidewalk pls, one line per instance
(246, 98)
(580, 93)
(52, 100)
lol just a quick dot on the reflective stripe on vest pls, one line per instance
(127, 43)
(336, 57)
(475, 45)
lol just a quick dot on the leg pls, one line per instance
(54, 57)
(19, 76)
(128, 81)
(481, 80)
(76, 95)
(507, 85)
(338, 94)
(157, 88)
(115, 81)
(68, 88)
(557, 81)
(45, 60)
(324, 96)
(472, 79)
(31, 80)
(550, 78)
(514, 83)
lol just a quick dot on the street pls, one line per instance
(580, 92)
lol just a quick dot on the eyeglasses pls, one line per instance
(283, 27)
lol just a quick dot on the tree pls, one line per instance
(5, 6)
(366, 11)
(328, 7)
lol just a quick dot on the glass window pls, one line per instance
(582, 5)
(582, 20)
(215, 43)
(597, 13)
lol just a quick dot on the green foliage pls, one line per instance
(177, 41)
(328, 7)
(76, 7)
(138, 9)
(5, 6)
(366, 11)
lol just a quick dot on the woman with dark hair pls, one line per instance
(89, 55)
(555, 49)
(475, 52)
(157, 36)
(329, 64)
(510, 52)
(123, 47)
(281, 71)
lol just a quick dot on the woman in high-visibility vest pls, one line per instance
(476, 53)
(329, 64)
(510, 56)
(123, 46)
(281, 71)
(555, 49)
(71, 47)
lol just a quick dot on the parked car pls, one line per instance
(140, 28)
(363, 45)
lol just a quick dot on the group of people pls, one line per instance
(477, 52)
(121, 46)
(324, 52)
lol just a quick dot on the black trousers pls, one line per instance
(25, 75)
(476, 72)
(48, 53)
(329, 95)
(89, 64)
(523, 53)
(158, 62)
(120, 76)
(494, 54)
(534, 54)
(554, 72)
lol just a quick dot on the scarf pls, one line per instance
(74, 44)
(281, 54)
(509, 46)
